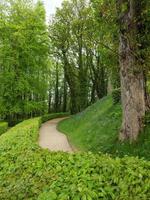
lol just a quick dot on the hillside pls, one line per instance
(96, 129)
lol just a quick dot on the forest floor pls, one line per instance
(52, 139)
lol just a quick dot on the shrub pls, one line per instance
(3, 127)
(28, 172)
(116, 95)
(47, 117)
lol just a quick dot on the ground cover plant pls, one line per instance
(96, 129)
(28, 172)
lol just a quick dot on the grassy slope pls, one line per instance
(3, 127)
(96, 129)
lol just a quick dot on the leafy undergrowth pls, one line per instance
(97, 128)
(3, 127)
(28, 172)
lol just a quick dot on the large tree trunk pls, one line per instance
(132, 79)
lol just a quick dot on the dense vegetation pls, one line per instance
(96, 129)
(3, 127)
(78, 48)
(85, 37)
(69, 63)
(24, 61)
(89, 51)
(27, 172)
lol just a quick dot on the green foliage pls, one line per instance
(28, 172)
(24, 46)
(116, 95)
(96, 129)
(47, 117)
(3, 127)
(83, 43)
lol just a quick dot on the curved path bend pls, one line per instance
(52, 139)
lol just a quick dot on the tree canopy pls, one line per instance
(24, 48)
(89, 49)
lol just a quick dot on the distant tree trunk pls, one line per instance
(73, 85)
(109, 86)
(56, 105)
(93, 96)
(92, 88)
(65, 95)
(132, 79)
(82, 76)
(101, 84)
(60, 100)
(115, 77)
(49, 100)
(99, 77)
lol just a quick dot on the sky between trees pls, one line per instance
(50, 6)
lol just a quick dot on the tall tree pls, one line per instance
(24, 46)
(131, 64)
(79, 49)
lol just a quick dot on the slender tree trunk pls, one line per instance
(99, 78)
(73, 85)
(82, 77)
(65, 95)
(49, 100)
(93, 96)
(56, 106)
(109, 86)
(60, 100)
(132, 79)
(101, 84)
(92, 88)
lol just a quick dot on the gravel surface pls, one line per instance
(52, 139)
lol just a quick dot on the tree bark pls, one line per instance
(132, 79)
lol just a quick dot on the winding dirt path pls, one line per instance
(52, 139)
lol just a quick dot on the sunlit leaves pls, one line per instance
(24, 47)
